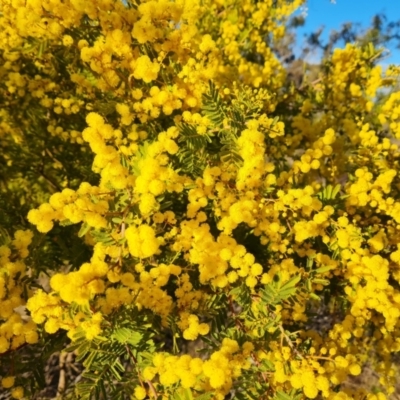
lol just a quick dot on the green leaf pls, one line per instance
(282, 396)
(273, 294)
(191, 138)
(84, 229)
(66, 222)
(43, 45)
(315, 297)
(328, 192)
(230, 156)
(269, 365)
(291, 283)
(243, 35)
(105, 107)
(82, 350)
(285, 294)
(324, 269)
(90, 359)
(183, 394)
(324, 282)
(268, 294)
(371, 49)
(115, 371)
(127, 336)
(310, 263)
(233, 16)
(335, 191)
(212, 106)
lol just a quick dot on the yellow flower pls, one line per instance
(149, 373)
(354, 369)
(256, 269)
(8, 382)
(217, 379)
(168, 378)
(142, 241)
(171, 146)
(296, 381)
(67, 40)
(140, 392)
(146, 69)
(94, 120)
(17, 392)
(311, 391)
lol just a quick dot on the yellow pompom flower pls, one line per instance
(4, 344)
(146, 69)
(168, 378)
(188, 380)
(67, 40)
(142, 241)
(296, 381)
(251, 281)
(354, 369)
(156, 187)
(58, 281)
(310, 390)
(323, 384)
(149, 373)
(226, 254)
(44, 226)
(8, 382)
(203, 329)
(196, 366)
(140, 392)
(147, 203)
(92, 329)
(17, 392)
(171, 146)
(51, 325)
(256, 269)
(94, 120)
(217, 378)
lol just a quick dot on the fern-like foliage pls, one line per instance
(110, 361)
(219, 143)
(212, 106)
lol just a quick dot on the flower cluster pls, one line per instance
(186, 196)
(217, 372)
(15, 330)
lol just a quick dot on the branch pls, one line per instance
(61, 380)
(289, 341)
(151, 386)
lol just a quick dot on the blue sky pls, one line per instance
(333, 15)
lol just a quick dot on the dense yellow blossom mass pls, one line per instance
(187, 193)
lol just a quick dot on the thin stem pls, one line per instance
(289, 341)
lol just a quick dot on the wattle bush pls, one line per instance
(165, 188)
